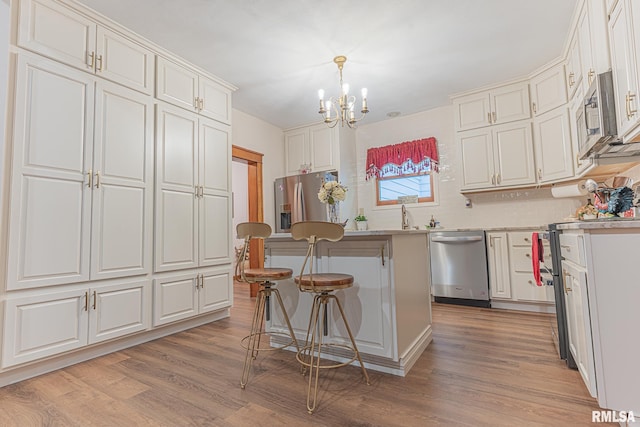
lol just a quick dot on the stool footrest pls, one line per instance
(291, 342)
(304, 353)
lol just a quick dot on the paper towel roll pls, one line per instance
(571, 190)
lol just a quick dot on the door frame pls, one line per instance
(253, 159)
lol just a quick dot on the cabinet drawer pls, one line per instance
(572, 248)
(525, 289)
(520, 238)
(521, 257)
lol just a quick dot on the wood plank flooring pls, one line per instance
(484, 368)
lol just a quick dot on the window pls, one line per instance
(393, 183)
(404, 169)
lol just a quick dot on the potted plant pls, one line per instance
(361, 222)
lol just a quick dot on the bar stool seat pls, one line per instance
(265, 278)
(323, 286)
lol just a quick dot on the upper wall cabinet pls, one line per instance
(552, 142)
(497, 106)
(312, 147)
(624, 37)
(548, 90)
(574, 65)
(84, 44)
(185, 88)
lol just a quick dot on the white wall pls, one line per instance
(526, 207)
(257, 135)
(240, 179)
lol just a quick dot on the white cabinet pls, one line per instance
(314, 147)
(497, 106)
(573, 69)
(81, 182)
(500, 156)
(624, 39)
(54, 30)
(498, 265)
(523, 285)
(193, 191)
(548, 90)
(181, 296)
(186, 88)
(552, 140)
(46, 324)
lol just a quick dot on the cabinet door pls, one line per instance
(216, 100)
(175, 298)
(121, 237)
(215, 228)
(372, 329)
(216, 290)
(124, 61)
(510, 103)
(296, 149)
(44, 325)
(548, 90)
(476, 148)
(118, 310)
(586, 55)
(176, 84)
(513, 154)
(498, 263)
(473, 111)
(624, 68)
(176, 221)
(574, 65)
(579, 323)
(323, 145)
(53, 30)
(50, 202)
(554, 154)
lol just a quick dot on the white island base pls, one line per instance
(388, 307)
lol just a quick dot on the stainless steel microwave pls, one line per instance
(596, 121)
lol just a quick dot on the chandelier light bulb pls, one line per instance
(345, 89)
(364, 92)
(321, 94)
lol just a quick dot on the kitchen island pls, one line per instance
(389, 305)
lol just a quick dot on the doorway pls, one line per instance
(251, 162)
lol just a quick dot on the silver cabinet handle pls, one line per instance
(382, 255)
(92, 60)
(457, 239)
(90, 178)
(86, 301)
(196, 102)
(201, 104)
(95, 299)
(98, 179)
(99, 63)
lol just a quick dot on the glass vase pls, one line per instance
(333, 212)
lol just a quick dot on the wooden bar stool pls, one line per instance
(322, 285)
(265, 277)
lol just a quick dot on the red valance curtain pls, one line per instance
(416, 151)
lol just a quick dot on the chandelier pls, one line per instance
(341, 109)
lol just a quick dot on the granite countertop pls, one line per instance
(599, 224)
(356, 233)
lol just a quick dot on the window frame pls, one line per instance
(431, 199)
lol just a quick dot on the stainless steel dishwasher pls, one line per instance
(459, 267)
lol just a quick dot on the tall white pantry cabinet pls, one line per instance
(118, 215)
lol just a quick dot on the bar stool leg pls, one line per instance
(253, 340)
(286, 318)
(353, 341)
(318, 314)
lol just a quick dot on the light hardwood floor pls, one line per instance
(484, 368)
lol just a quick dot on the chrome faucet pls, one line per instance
(405, 219)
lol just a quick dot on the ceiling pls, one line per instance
(410, 54)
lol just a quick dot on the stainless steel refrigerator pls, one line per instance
(296, 199)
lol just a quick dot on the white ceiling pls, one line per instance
(410, 54)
